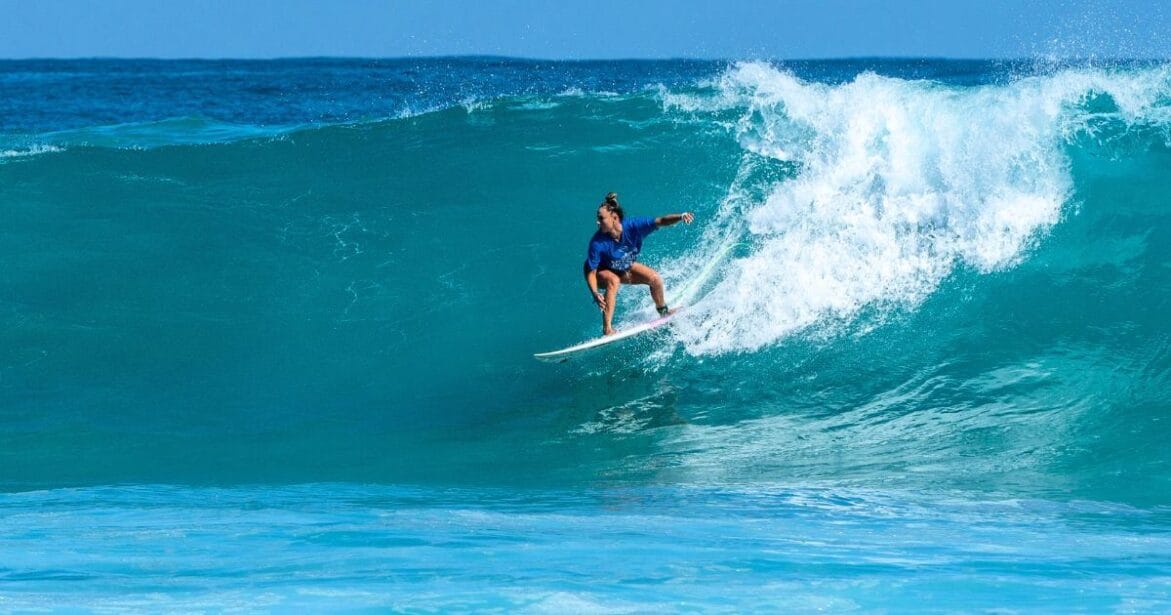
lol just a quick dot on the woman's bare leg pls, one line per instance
(641, 274)
(612, 282)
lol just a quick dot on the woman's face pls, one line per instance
(608, 221)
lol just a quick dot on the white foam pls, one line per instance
(472, 104)
(537, 105)
(30, 151)
(572, 92)
(900, 183)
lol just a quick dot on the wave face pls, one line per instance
(948, 292)
(966, 257)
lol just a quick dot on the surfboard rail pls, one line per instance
(598, 342)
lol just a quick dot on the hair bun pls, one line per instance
(612, 197)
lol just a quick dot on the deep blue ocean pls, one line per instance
(266, 336)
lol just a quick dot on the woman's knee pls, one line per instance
(608, 279)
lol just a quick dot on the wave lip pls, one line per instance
(173, 131)
(896, 184)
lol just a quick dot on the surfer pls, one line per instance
(612, 254)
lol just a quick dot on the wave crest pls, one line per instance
(896, 184)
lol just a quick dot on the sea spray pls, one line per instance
(898, 183)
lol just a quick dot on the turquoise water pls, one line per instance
(268, 332)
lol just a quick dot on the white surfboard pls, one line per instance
(565, 353)
(685, 297)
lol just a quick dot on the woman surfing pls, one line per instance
(613, 254)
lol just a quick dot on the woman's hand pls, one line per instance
(600, 300)
(687, 217)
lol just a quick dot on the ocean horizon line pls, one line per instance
(493, 57)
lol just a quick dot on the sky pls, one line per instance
(599, 29)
